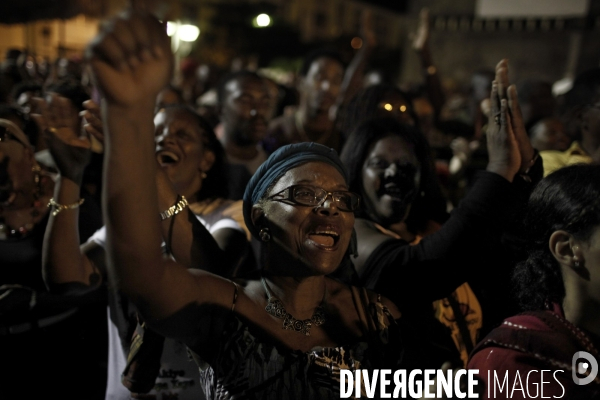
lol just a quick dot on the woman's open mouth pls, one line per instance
(394, 191)
(167, 158)
(326, 238)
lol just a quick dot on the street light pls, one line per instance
(188, 33)
(261, 21)
(171, 28)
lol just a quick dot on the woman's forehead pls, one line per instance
(314, 173)
(393, 145)
(177, 117)
(171, 114)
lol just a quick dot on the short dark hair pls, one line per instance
(567, 199)
(232, 76)
(215, 184)
(315, 55)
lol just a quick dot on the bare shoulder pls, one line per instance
(369, 238)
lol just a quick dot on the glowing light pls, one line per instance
(171, 28)
(188, 33)
(388, 106)
(402, 108)
(356, 43)
(262, 20)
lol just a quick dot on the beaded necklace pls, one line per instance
(275, 308)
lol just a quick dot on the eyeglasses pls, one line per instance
(313, 196)
(5, 134)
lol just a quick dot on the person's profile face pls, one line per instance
(317, 235)
(322, 83)
(390, 179)
(180, 149)
(245, 110)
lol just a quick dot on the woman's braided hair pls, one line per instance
(569, 200)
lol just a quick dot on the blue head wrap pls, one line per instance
(281, 161)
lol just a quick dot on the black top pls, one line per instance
(471, 246)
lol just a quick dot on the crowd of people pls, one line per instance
(240, 238)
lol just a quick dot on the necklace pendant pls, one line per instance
(292, 324)
(276, 309)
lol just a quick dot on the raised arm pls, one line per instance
(508, 92)
(420, 43)
(187, 240)
(65, 269)
(190, 242)
(132, 61)
(354, 74)
(471, 234)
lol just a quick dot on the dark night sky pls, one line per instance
(399, 6)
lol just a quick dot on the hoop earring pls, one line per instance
(264, 234)
(575, 262)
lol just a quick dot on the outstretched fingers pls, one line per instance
(526, 149)
(502, 77)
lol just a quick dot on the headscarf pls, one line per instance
(281, 161)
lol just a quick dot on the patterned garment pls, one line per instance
(247, 368)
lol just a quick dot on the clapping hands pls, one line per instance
(509, 148)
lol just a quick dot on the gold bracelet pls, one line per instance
(175, 209)
(59, 207)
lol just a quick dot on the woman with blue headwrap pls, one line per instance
(285, 335)
(290, 332)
